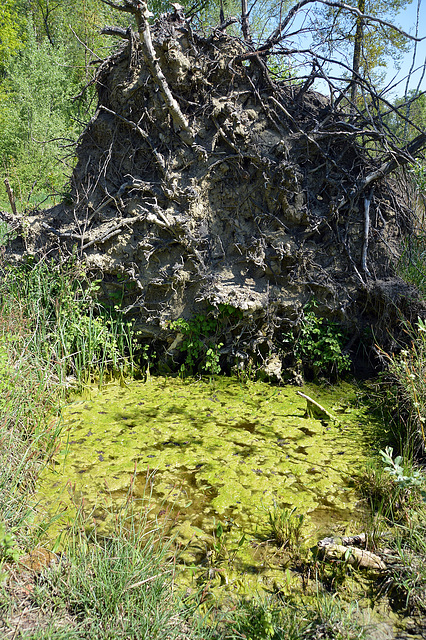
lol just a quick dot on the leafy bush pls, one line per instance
(318, 345)
(37, 119)
(199, 341)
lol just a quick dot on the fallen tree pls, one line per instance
(203, 186)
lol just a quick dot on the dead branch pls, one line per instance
(10, 196)
(117, 31)
(141, 13)
(407, 155)
(278, 35)
(314, 409)
(367, 202)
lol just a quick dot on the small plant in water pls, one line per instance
(220, 551)
(286, 526)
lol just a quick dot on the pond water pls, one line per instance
(219, 451)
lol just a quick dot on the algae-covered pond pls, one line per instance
(219, 451)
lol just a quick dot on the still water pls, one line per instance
(209, 452)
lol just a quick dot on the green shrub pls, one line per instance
(200, 338)
(37, 120)
(317, 345)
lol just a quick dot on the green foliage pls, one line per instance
(10, 32)
(274, 619)
(36, 118)
(46, 66)
(318, 346)
(396, 491)
(286, 525)
(338, 32)
(70, 328)
(199, 341)
(221, 551)
(416, 112)
(404, 477)
(394, 487)
(418, 169)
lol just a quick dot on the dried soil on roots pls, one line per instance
(262, 211)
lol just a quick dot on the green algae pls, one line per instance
(222, 451)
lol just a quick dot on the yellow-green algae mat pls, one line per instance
(221, 451)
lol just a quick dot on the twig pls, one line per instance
(367, 202)
(139, 584)
(11, 196)
(312, 405)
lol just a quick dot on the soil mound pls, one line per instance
(242, 192)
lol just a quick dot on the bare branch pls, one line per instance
(116, 31)
(141, 13)
(278, 35)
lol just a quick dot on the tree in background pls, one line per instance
(10, 33)
(48, 47)
(54, 47)
(364, 45)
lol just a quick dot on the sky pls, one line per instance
(395, 81)
(407, 21)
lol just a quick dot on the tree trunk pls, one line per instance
(356, 60)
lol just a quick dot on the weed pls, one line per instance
(199, 339)
(405, 478)
(286, 526)
(317, 345)
(220, 550)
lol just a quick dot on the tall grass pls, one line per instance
(28, 429)
(52, 333)
(403, 390)
(66, 325)
(118, 587)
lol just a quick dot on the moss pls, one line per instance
(223, 451)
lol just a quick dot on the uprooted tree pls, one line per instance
(203, 184)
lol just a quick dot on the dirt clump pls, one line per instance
(255, 203)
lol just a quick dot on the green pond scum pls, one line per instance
(219, 457)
